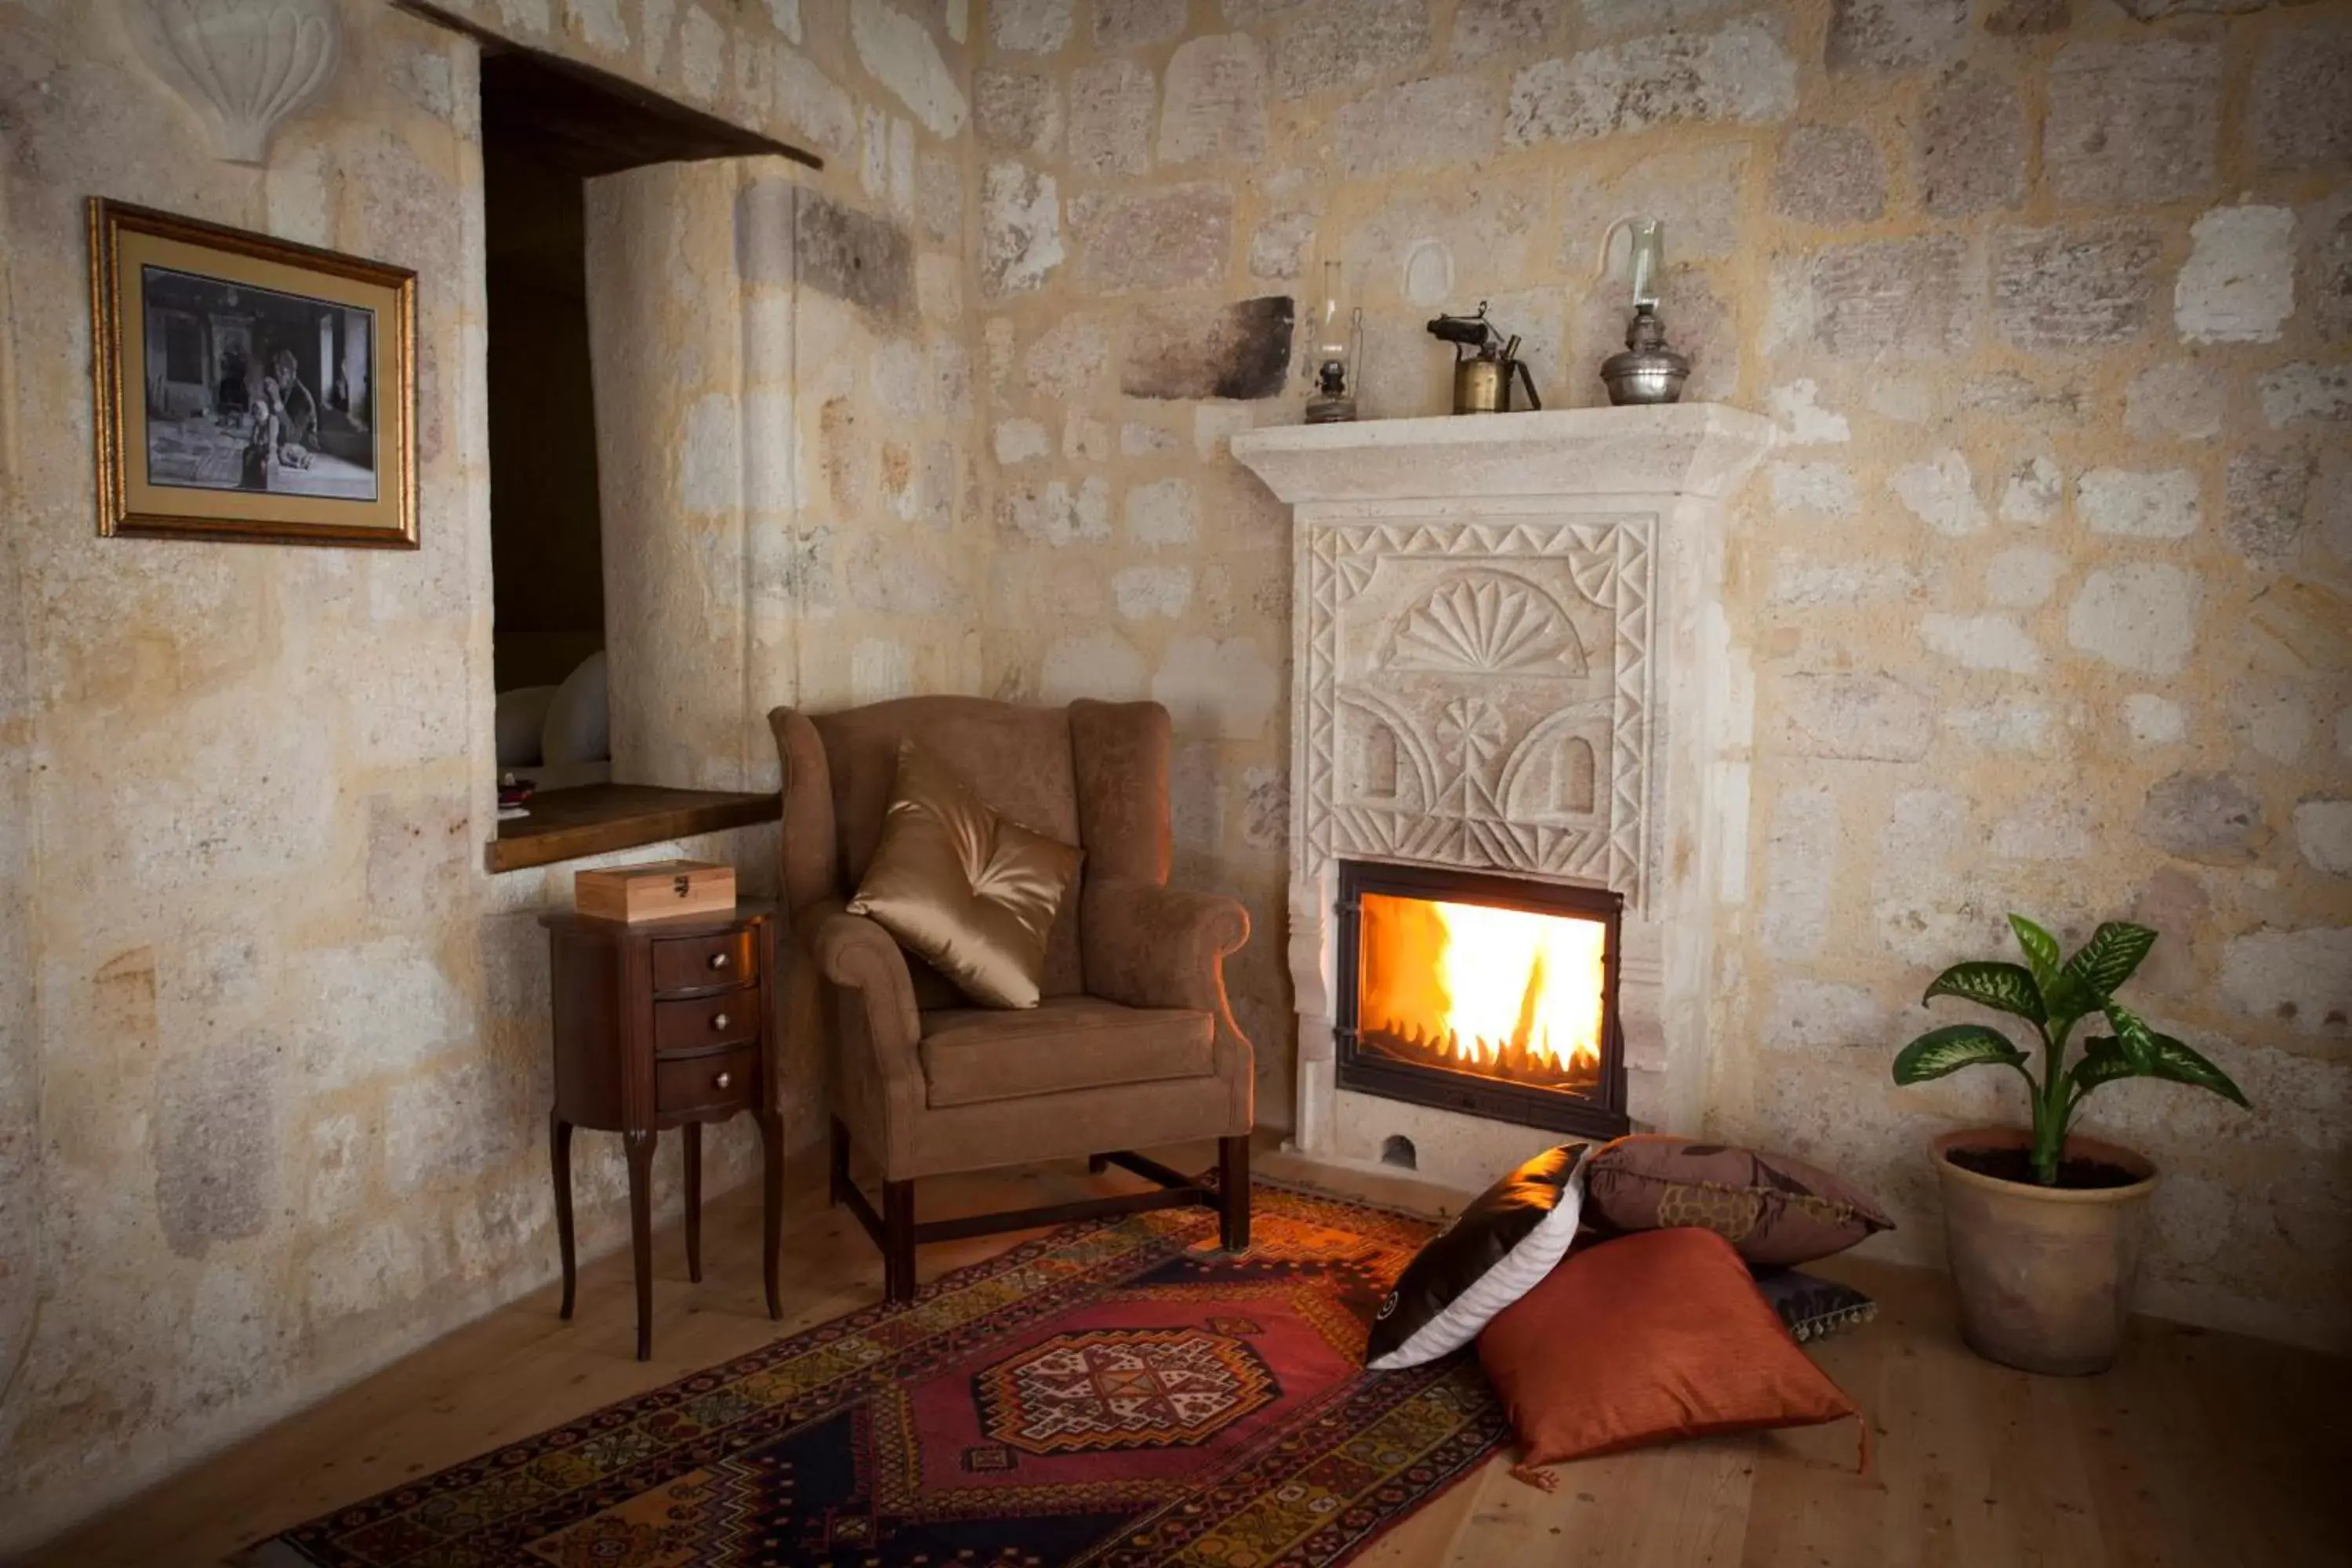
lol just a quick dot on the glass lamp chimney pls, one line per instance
(1332, 325)
(1649, 259)
(1338, 349)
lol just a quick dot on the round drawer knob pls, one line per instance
(718, 1020)
(718, 961)
(724, 1080)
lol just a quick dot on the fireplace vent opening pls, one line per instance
(1491, 995)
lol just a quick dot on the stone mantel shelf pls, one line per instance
(1696, 449)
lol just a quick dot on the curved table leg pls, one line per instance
(693, 1202)
(559, 1159)
(639, 1147)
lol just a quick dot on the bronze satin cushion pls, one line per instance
(1645, 1340)
(971, 893)
(1775, 1210)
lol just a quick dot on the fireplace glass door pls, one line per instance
(1489, 994)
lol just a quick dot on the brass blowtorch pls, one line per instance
(1485, 363)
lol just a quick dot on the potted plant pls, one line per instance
(2043, 1228)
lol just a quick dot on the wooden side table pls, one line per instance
(662, 1024)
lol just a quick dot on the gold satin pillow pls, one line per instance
(969, 891)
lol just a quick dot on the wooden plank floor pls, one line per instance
(2200, 1448)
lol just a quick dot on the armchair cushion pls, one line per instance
(972, 892)
(1015, 759)
(972, 1054)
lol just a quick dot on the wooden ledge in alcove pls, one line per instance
(595, 819)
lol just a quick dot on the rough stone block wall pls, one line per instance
(2043, 599)
(2044, 602)
(273, 1072)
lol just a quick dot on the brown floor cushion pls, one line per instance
(972, 1054)
(1644, 1339)
(1777, 1210)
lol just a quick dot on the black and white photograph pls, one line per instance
(257, 390)
(249, 388)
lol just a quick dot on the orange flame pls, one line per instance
(1488, 987)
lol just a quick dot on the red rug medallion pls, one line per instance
(1114, 1394)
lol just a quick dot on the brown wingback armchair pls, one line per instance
(1133, 1045)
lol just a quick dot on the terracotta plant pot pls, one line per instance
(2044, 1274)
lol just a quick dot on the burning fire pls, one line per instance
(1494, 989)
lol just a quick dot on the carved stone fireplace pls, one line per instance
(1513, 697)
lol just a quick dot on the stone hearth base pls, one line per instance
(1464, 1152)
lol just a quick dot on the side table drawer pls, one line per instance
(698, 1023)
(699, 962)
(721, 1080)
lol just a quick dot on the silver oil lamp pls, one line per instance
(1338, 353)
(1648, 371)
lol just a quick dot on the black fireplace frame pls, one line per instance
(1366, 1072)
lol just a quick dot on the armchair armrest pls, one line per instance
(860, 957)
(1151, 946)
(1146, 945)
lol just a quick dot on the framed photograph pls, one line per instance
(248, 388)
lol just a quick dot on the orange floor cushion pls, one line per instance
(1646, 1339)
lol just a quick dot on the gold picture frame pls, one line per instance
(276, 385)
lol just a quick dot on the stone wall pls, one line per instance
(273, 1063)
(2043, 604)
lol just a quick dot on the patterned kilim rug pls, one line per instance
(1114, 1394)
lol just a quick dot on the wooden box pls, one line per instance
(657, 890)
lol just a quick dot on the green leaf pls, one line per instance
(2103, 1061)
(2137, 1039)
(1952, 1047)
(2106, 1058)
(2182, 1064)
(2064, 1000)
(2108, 960)
(2006, 986)
(2041, 953)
